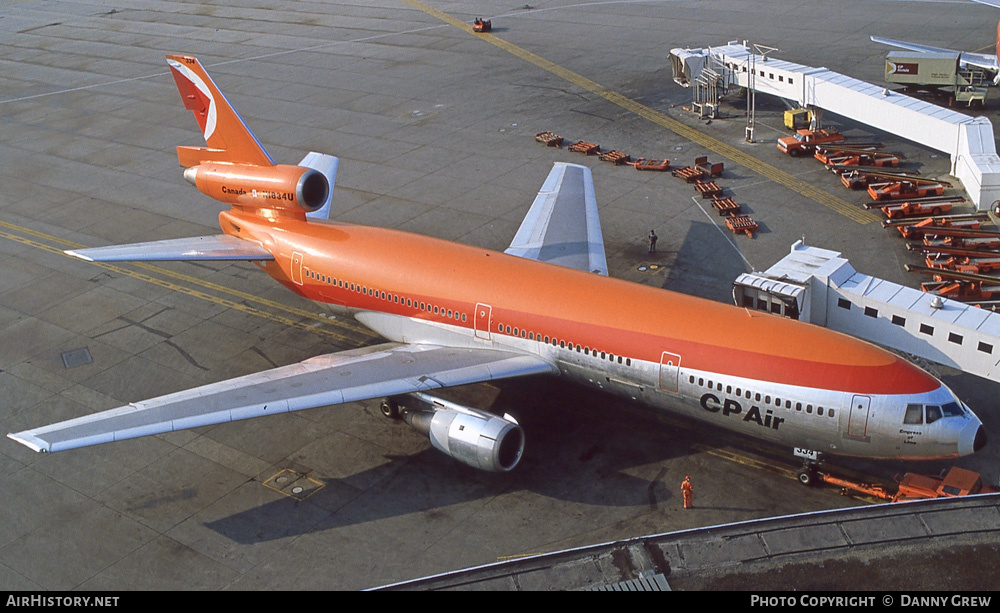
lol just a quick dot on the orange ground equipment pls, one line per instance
(708, 189)
(852, 157)
(956, 482)
(710, 169)
(932, 226)
(742, 224)
(615, 157)
(689, 174)
(549, 139)
(644, 164)
(726, 206)
(585, 148)
(963, 286)
(897, 190)
(806, 141)
(482, 25)
(915, 209)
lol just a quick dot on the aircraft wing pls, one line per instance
(980, 60)
(221, 247)
(562, 226)
(349, 376)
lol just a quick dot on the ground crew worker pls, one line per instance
(687, 489)
(652, 241)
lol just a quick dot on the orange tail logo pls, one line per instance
(229, 139)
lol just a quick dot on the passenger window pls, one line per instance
(933, 413)
(914, 414)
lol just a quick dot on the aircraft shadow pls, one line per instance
(580, 447)
(706, 265)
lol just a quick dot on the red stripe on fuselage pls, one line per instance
(609, 315)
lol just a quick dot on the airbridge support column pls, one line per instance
(969, 141)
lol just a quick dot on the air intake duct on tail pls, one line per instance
(262, 187)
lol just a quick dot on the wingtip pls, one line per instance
(28, 441)
(77, 254)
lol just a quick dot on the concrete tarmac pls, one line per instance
(434, 128)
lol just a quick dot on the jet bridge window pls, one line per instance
(844, 303)
(985, 347)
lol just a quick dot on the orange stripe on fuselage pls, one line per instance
(590, 310)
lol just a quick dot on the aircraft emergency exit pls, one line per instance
(455, 314)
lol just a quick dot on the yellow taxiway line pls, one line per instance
(712, 144)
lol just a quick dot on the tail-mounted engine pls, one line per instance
(261, 187)
(476, 438)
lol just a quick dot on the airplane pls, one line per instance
(986, 61)
(455, 314)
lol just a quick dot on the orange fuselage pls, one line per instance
(389, 271)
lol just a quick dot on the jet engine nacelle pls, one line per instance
(263, 187)
(473, 437)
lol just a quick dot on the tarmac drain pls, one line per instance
(77, 357)
(293, 484)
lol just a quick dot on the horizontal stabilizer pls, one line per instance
(350, 376)
(221, 247)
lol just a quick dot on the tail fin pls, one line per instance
(228, 138)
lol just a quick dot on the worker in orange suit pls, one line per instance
(687, 489)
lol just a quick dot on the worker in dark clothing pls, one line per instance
(687, 490)
(652, 241)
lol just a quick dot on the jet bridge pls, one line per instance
(821, 287)
(968, 140)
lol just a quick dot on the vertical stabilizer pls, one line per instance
(229, 139)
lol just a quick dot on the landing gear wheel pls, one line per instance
(807, 476)
(389, 409)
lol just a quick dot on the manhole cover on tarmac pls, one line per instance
(293, 484)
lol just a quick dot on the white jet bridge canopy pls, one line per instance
(838, 297)
(968, 140)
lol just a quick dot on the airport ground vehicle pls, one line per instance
(805, 141)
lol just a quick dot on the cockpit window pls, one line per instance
(952, 409)
(914, 414)
(933, 413)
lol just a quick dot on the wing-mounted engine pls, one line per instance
(473, 437)
(262, 187)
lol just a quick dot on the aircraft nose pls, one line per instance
(972, 439)
(980, 441)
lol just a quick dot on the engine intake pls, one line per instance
(264, 187)
(473, 437)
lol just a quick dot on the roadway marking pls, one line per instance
(712, 144)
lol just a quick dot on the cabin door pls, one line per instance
(670, 368)
(857, 422)
(482, 320)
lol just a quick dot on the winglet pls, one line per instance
(228, 138)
